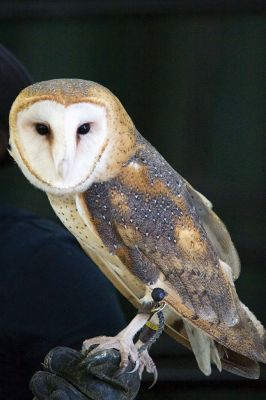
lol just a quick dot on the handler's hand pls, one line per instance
(70, 375)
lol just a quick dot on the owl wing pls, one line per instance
(199, 286)
(165, 234)
(216, 231)
(175, 252)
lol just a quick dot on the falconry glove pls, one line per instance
(69, 375)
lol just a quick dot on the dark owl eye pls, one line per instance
(84, 129)
(42, 129)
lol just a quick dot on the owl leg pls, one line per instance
(122, 342)
(146, 300)
(153, 320)
(149, 334)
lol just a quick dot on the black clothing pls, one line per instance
(13, 78)
(51, 294)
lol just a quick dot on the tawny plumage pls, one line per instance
(137, 218)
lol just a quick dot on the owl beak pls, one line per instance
(63, 168)
(63, 150)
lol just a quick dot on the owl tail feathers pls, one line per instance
(208, 352)
(203, 348)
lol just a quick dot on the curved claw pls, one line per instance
(126, 348)
(123, 342)
(135, 368)
(147, 363)
(155, 377)
(125, 353)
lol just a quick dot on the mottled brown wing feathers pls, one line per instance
(163, 239)
(200, 286)
(239, 364)
(193, 300)
(155, 225)
(216, 231)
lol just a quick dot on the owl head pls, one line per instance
(66, 134)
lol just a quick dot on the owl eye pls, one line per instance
(42, 129)
(84, 129)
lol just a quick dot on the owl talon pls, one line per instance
(93, 342)
(123, 342)
(147, 363)
(120, 342)
(135, 368)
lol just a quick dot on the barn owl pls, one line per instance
(142, 223)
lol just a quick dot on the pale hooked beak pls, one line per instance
(63, 168)
(63, 151)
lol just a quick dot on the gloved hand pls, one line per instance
(69, 375)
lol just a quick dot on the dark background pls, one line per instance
(191, 74)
